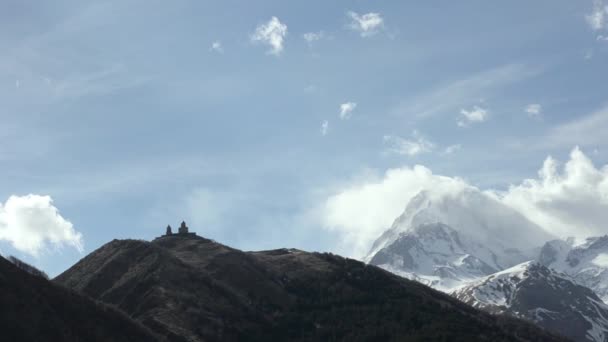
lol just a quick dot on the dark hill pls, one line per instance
(34, 309)
(193, 289)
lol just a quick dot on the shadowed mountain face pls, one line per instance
(34, 309)
(193, 289)
(541, 295)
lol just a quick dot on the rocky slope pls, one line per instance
(587, 263)
(34, 309)
(536, 293)
(447, 239)
(193, 289)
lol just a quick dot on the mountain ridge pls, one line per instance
(541, 295)
(35, 309)
(278, 294)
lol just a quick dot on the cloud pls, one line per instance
(597, 18)
(361, 211)
(311, 37)
(534, 109)
(589, 130)
(452, 149)
(451, 96)
(477, 114)
(417, 145)
(32, 223)
(367, 24)
(324, 127)
(346, 110)
(217, 47)
(272, 33)
(573, 202)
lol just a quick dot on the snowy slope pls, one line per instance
(447, 239)
(587, 263)
(536, 293)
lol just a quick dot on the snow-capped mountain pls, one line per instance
(587, 263)
(536, 293)
(447, 239)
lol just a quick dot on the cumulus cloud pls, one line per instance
(409, 147)
(570, 202)
(534, 109)
(32, 224)
(573, 202)
(272, 34)
(597, 18)
(217, 46)
(324, 127)
(346, 110)
(477, 114)
(366, 24)
(311, 37)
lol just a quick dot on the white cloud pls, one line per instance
(360, 212)
(573, 202)
(346, 110)
(311, 37)
(409, 147)
(477, 114)
(534, 109)
(569, 203)
(272, 33)
(217, 47)
(452, 149)
(597, 18)
(324, 127)
(32, 223)
(367, 24)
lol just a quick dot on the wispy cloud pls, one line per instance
(452, 149)
(474, 115)
(453, 96)
(534, 110)
(311, 37)
(272, 34)
(217, 47)
(418, 144)
(589, 130)
(346, 110)
(366, 24)
(324, 127)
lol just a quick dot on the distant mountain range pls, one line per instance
(469, 244)
(501, 278)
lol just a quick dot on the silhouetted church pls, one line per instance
(183, 230)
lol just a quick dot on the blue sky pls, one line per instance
(132, 115)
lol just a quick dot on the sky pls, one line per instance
(275, 124)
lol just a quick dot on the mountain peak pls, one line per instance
(445, 238)
(586, 262)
